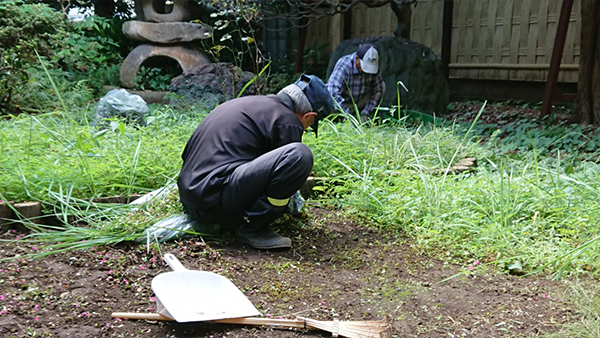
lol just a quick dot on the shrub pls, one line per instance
(76, 52)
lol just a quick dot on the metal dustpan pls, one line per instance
(192, 296)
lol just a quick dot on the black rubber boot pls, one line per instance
(262, 237)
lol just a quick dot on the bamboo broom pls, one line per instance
(350, 329)
(353, 329)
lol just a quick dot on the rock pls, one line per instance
(468, 162)
(120, 103)
(307, 188)
(212, 84)
(188, 57)
(407, 61)
(167, 32)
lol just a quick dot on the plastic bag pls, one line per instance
(157, 194)
(295, 204)
(177, 227)
(173, 227)
(183, 226)
(119, 103)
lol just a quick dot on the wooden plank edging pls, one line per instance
(32, 211)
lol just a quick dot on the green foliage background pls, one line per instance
(82, 56)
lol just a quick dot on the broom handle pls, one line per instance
(300, 324)
(295, 323)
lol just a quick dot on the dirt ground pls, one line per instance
(336, 268)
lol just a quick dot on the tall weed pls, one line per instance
(55, 150)
(533, 211)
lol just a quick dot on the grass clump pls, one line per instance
(586, 300)
(531, 209)
(86, 225)
(44, 150)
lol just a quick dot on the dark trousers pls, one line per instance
(277, 174)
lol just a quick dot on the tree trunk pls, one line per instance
(588, 85)
(403, 13)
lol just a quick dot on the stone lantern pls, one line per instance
(164, 35)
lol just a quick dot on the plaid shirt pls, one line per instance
(346, 82)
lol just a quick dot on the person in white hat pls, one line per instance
(356, 80)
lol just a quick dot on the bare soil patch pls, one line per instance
(335, 268)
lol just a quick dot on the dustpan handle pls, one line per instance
(174, 263)
(134, 315)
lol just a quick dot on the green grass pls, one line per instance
(586, 321)
(535, 208)
(41, 151)
(98, 224)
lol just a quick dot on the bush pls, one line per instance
(75, 52)
(24, 29)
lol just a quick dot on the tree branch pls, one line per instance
(294, 10)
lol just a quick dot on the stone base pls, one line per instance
(187, 55)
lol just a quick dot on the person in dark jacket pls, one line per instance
(246, 159)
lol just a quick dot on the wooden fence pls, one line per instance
(491, 39)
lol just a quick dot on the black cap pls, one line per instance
(319, 97)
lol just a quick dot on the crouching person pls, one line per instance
(246, 159)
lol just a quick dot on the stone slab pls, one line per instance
(166, 32)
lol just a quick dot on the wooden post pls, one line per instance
(335, 29)
(552, 92)
(348, 22)
(301, 42)
(447, 36)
